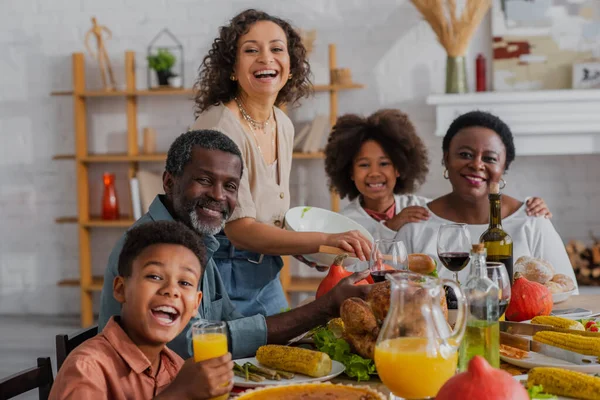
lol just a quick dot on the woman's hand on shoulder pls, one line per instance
(536, 207)
(351, 241)
(407, 215)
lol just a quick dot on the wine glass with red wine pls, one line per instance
(454, 247)
(387, 256)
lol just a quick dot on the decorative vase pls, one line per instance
(456, 75)
(110, 204)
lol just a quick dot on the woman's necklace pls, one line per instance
(252, 124)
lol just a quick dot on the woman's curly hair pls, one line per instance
(395, 134)
(214, 86)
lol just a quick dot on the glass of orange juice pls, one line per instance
(209, 340)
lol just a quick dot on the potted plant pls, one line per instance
(162, 62)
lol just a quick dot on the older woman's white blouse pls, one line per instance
(532, 236)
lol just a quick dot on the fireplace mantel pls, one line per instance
(543, 122)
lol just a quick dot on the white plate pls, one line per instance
(314, 219)
(336, 369)
(540, 360)
(523, 378)
(560, 297)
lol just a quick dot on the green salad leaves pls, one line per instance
(537, 392)
(339, 350)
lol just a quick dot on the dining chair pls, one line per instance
(39, 378)
(65, 344)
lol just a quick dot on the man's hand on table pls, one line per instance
(345, 289)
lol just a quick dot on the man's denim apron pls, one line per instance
(251, 279)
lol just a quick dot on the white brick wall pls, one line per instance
(385, 43)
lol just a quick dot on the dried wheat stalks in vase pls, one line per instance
(454, 33)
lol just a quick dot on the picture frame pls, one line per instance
(586, 75)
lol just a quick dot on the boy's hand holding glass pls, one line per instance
(213, 362)
(209, 379)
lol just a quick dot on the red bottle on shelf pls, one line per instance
(110, 204)
(480, 73)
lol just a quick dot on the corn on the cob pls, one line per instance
(579, 344)
(562, 382)
(558, 322)
(294, 359)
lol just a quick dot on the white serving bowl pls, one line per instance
(314, 219)
(560, 297)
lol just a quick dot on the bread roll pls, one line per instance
(534, 269)
(554, 287)
(421, 263)
(565, 281)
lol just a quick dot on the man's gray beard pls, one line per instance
(203, 229)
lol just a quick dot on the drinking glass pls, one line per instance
(454, 247)
(387, 255)
(497, 272)
(209, 339)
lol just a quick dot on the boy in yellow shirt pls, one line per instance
(158, 286)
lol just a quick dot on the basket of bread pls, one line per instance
(541, 271)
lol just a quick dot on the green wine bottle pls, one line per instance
(497, 242)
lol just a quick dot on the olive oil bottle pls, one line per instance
(498, 243)
(482, 336)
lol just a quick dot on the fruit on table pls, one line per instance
(336, 273)
(294, 359)
(590, 324)
(589, 346)
(558, 322)
(529, 299)
(483, 382)
(562, 382)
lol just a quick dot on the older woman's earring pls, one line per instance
(232, 77)
(502, 183)
(446, 174)
(289, 77)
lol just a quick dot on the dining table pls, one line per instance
(588, 301)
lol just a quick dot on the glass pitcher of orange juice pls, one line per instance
(209, 340)
(416, 350)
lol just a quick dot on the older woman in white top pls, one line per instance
(478, 149)
(257, 63)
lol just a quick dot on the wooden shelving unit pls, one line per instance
(87, 283)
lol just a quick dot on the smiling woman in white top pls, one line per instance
(478, 149)
(257, 63)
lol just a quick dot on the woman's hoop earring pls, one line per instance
(446, 174)
(502, 183)
(289, 77)
(232, 77)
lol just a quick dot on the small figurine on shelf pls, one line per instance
(110, 204)
(101, 55)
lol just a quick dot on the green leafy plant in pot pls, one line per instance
(162, 62)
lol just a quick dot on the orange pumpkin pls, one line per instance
(529, 299)
(482, 382)
(336, 273)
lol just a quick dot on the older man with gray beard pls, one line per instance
(201, 182)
